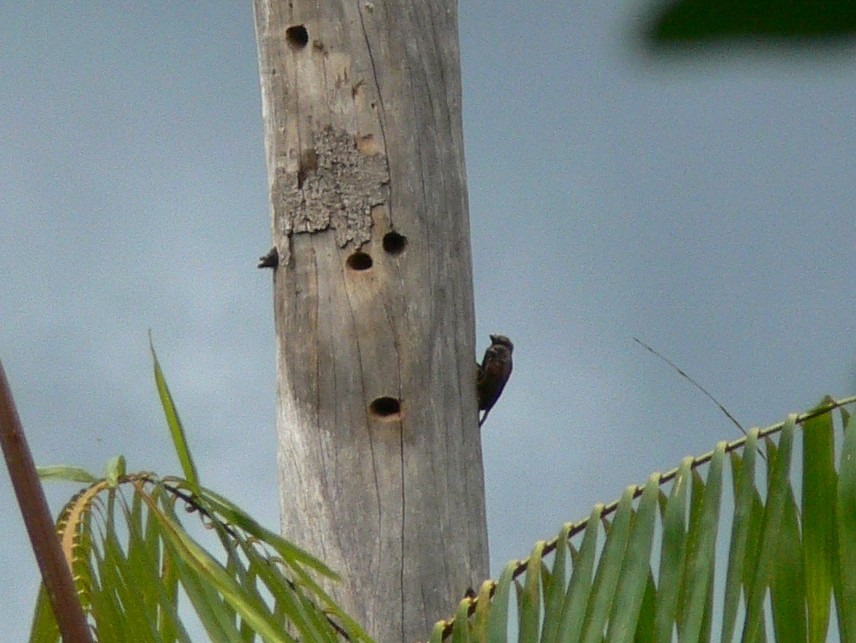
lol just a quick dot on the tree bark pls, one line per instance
(379, 451)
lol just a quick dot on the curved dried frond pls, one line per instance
(147, 571)
(136, 551)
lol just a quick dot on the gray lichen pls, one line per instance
(335, 187)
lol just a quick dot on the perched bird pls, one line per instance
(493, 373)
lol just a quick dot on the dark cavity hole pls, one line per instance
(308, 163)
(297, 37)
(360, 261)
(386, 408)
(394, 243)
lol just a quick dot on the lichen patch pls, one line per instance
(335, 187)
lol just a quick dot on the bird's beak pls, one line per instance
(493, 339)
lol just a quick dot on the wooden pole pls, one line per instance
(379, 450)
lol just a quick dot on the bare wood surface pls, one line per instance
(379, 451)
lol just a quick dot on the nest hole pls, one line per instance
(386, 408)
(394, 243)
(360, 261)
(297, 37)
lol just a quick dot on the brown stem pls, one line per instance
(56, 574)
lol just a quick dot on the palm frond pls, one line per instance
(643, 574)
(135, 558)
(135, 555)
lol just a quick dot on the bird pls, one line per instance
(493, 373)
(270, 260)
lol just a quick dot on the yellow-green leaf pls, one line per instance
(672, 553)
(176, 430)
(701, 558)
(634, 572)
(609, 569)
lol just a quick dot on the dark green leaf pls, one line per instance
(694, 20)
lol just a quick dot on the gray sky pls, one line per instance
(703, 204)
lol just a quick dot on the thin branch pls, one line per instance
(56, 574)
(693, 382)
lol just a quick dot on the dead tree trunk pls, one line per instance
(379, 452)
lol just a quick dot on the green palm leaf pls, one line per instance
(136, 560)
(136, 556)
(786, 554)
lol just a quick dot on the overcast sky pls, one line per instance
(703, 203)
